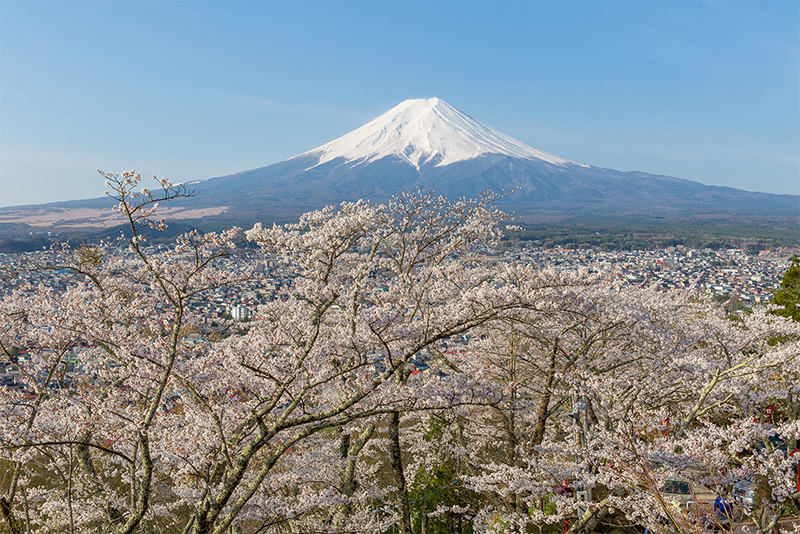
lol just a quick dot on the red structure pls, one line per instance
(770, 410)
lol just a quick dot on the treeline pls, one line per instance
(604, 238)
(612, 237)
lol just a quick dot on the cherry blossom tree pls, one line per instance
(317, 417)
(627, 361)
(81, 444)
(125, 426)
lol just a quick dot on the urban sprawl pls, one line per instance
(739, 280)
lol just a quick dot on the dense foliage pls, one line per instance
(788, 295)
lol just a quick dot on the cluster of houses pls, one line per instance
(741, 279)
(733, 275)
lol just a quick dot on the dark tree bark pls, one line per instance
(544, 403)
(347, 479)
(403, 506)
(8, 516)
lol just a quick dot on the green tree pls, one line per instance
(788, 295)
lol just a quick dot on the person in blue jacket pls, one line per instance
(723, 508)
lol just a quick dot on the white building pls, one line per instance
(239, 313)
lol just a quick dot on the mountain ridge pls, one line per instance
(428, 144)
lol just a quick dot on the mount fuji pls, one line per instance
(423, 132)
(428, 144)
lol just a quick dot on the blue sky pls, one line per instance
(707, 91)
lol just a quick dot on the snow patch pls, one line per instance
(423, 130)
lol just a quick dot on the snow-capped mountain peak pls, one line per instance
(423, 131)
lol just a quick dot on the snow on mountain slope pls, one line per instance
(423, 131)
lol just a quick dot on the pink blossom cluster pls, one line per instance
(541, 387)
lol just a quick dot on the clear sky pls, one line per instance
(707, 91)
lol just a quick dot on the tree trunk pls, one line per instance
(544, 403)
(766, 521)
(8, 516)
(588, 522)
(424, 518)
(403, 506)
(347, 479)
